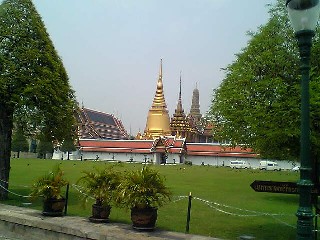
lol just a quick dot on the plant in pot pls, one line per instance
(101, 185)
(143, 191)
(49, 187)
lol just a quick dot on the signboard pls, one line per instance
(279, 187)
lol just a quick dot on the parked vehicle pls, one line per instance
(269, 165)
(295, 169)
(239, 164)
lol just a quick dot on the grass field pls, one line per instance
(223, 205)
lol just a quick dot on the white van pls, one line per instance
(269, 165)
(239, 164)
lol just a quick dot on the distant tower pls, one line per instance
(195, 106)
(180, 126)
(158, 121)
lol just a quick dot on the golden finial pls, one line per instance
(180, 86)
(160, 72)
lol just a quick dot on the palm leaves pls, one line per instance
(49, 186)
(143, 188)
(100, 185)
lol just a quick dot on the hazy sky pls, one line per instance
(112, 49)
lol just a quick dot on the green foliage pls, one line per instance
(33, 76)
(68, 145)
(100, 184)
(258, 102)
(44, 147)
(34, 86)
(188, 163)
(50, 185)
(143, 188)
(223, 186)
(19, 142)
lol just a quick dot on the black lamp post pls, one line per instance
(304, 15)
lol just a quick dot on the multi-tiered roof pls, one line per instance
(180, 125)
(94, 125)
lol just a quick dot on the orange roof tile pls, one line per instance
(173, 146)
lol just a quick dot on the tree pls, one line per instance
(68, 146)
(19, 142)
(258, 102)
(44, 147)
(33, 81)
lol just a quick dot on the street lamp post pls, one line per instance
(304, 15)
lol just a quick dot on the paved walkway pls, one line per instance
(25, 223)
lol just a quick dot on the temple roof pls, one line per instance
(179, 121)
(94, 125)
(170, 144)
(209, 149)
(100, 117)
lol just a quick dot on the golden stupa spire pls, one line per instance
(179, 106)
(158, 121)
(159, 100)
(160, 72)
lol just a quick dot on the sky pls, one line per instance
(111, 49)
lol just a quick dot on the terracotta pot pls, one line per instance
(100, 213)
(144, 219)
(53, 207)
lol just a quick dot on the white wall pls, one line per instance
(172, 158)
(225, 161)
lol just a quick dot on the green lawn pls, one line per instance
(224, 205)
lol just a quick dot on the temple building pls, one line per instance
(98, 125)
(192, 127)
(180, 125)
(182, 139)
(195, 106)
(158, 120)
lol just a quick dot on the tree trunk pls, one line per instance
(6, 125)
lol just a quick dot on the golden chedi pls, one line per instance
(158, 121)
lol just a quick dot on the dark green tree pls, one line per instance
(19, 142)
(44, 147)
(68, 146)
(33, 81)
(258, 102)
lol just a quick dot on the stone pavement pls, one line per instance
(25, 223)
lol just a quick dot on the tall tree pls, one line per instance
(258, 102)
(32, 80)
(44, 147)
(19, 142)
(68, 146)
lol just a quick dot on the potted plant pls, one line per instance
(143, 191)
(49, 187)
(101, 186)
